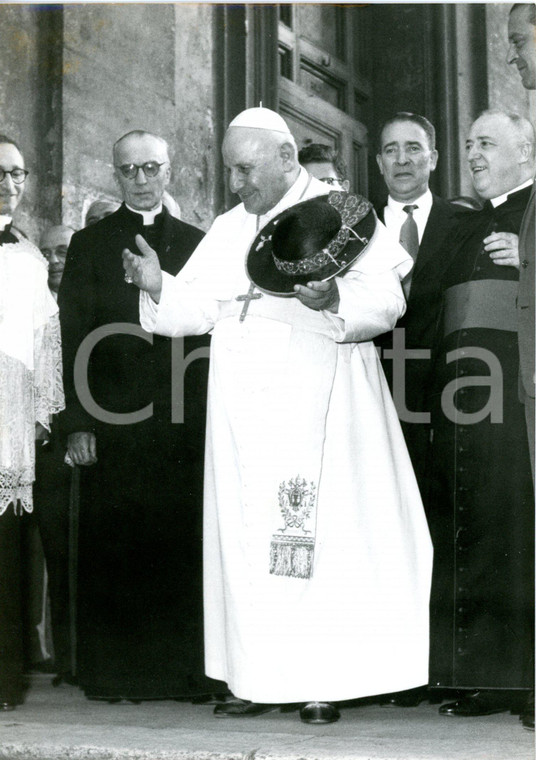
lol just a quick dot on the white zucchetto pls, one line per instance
(261, 118)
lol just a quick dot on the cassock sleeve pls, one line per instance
(76, 301)
(371, 295)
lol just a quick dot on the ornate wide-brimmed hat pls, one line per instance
(316, 240)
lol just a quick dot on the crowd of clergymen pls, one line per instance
(370, 395)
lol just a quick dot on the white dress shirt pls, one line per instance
(395, 216)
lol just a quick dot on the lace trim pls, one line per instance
(26, 397)
(47, 380)
(16, 489)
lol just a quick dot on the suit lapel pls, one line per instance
(528, 218)
(437, 226)
(381, 214)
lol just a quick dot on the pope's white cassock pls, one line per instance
(317, 553)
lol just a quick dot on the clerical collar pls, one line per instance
(423, 202)
(148, 216)
(500, 199)
(5, 221)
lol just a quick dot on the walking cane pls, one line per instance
(74, 506)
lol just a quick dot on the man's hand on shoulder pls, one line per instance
(82, 448)
(143, 269)
(319, 296)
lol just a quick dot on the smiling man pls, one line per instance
(140, 616)
(30, 393)
(482, 504)
(293, 381)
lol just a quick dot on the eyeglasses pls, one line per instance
(332, 180)
(17, 175)
(149, 168)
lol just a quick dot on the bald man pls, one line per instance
(52, 488)
(54, 244)
(98, 210)
(348, 615)
(139, 600)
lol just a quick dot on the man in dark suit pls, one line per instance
(140, 445)
(52, 489)
(522, 53)
(421, 221)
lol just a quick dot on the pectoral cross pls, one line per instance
(250, 296)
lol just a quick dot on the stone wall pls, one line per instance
(30, 107)
(139, 66)
(196, 153)
(76, 77)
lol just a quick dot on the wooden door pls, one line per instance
(323, 80)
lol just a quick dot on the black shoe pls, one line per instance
(475, 704)
(527, 714)
(408, 698)
(209, 699)
(319, 712)
(238, 708)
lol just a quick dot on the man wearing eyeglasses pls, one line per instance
(12, 177)
(30, 393)
(139, 605)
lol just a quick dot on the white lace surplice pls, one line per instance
(30, 367)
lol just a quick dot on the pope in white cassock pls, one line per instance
(317, 553)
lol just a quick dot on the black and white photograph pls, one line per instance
(267, 381)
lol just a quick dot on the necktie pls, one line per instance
(409, 234)
(409, 239)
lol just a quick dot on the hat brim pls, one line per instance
(264, 274)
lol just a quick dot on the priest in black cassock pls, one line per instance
(482, 503)
(140, 627)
